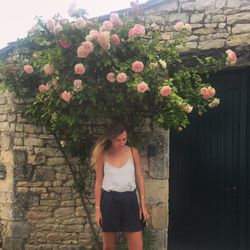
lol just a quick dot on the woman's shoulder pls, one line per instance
(134, 150)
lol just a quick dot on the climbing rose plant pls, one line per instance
(120, 69)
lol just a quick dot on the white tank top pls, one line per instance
(120, 179)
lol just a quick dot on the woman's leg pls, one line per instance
(109, 240)
(134, 240)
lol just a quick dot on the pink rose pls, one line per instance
(179, 26)
(208, 92)
(58, 28)
(115, 19)
(142, 87)
(44, 88)
(81, 52)
(107, 26)
(28, 69)
(111, 77)
(50, 24)
(78, 85)
(121, 77)
(85, 49)
(48, 69)
(188, 108)
(137, 66)
(165, 91)
(188, 26)
(231, 57)
(80, 23)
(79, 69)
(137, 30)
(66, 96)
(65, 43)
(115, 40)
(103, 38)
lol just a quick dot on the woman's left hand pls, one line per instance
(145, 213)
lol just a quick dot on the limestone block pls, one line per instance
(159, 217)
(18, 141)
(64, 212)
(7, 157)
(79, 212)
(211, 25)
(33, 142)
(6, 141)
(3, 100)
(233, 3)
(11, 118)
(211, 44)
(160, 239)
(55, 161)
(192, 38)
(204, 5)
(157, 19)
(245, 7)
(243, 17)
(241, 28)
(7, 212)
(44, 174)
(3, 117)
(19, 127)
(219, 18)
(213, 11)
(196, 18)
(61, 176)
(156, 191)
(221, 25)
(219, 4)
(69, 203)
(241, 39)
(38, 215)
(4, 126)
(48, 151)
(207, 18)
(188, 6)
(38, 189)
(204, 31)
(176, 17)
(49, 202)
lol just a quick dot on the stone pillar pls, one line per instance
(155, 160)
(14, 228)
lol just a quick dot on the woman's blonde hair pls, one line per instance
(105, 142)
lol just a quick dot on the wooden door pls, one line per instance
(209, 173)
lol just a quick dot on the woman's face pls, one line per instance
(120, 141)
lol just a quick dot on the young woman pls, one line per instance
(118, 172)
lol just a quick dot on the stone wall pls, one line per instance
(39, 208)
(216, 23)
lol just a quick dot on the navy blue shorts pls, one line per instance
(120, 212)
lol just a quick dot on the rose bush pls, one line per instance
(144, 66)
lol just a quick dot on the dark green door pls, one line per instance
(209, 173)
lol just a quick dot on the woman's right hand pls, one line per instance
(98, 217)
